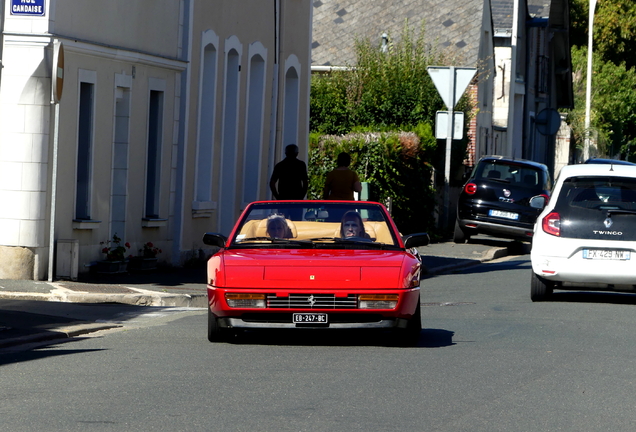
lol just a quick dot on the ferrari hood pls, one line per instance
(318, 269)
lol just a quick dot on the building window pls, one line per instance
(206, 126)
(229, 136)
(119, 188)
(254, 128)
(292, 92)
(84, 151)
(153, 165)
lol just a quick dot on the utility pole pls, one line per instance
(588, 87)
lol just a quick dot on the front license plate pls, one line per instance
(317, 318)
(503, 214)
(606, 254)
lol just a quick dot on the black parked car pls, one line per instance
(502, 198)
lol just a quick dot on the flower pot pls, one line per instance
(142, 264)
(111, 266)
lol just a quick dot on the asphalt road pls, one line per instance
(488, 360)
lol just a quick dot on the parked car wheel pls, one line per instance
(540, 289)
(460, 236)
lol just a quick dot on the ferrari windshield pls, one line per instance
(315, 224)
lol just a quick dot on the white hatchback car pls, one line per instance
(585, 238)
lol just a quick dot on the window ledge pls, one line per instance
(153, 222)
(203, 209)
(86, 224)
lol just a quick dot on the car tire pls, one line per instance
(459, 236)
(410, 335)
(540, 289)
(215, 332)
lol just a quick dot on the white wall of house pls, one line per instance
(169, 113)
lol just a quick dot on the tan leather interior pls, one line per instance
(304, 230)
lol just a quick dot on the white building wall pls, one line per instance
(24, 136)
(136, 43)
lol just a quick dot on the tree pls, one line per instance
(614, 29)
(613, 114)
(385, 90)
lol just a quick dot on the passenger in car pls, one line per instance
(352, 225)
(277, 227)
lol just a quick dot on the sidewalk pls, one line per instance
(176, 288)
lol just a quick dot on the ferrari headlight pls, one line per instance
(377, 301)
(239, 300)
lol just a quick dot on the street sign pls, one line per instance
(443, 79)
(28, 7)
(548, 121)
(441, 125)
(451, 82)
(57, 75)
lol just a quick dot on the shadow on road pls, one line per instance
(42, 352)
(164, 276)
(429, 338)
(593, 297)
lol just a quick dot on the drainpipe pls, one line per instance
(512, 99)
(273, 127)
(179, 206)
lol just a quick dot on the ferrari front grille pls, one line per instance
(312, 301)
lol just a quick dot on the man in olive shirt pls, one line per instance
(342, 182)
(291, 175)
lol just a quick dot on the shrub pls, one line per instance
(393, 165)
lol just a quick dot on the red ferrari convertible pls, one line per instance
(315, 265)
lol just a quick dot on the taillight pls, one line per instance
(551, 224)
(547, 199)
(470, 188)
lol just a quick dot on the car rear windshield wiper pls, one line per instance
(620, 211)
(500, 180)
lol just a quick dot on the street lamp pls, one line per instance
(588, 89)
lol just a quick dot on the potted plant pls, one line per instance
(147, 258)
(115, 256)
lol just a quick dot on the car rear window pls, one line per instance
(512, 173)
(602, 193)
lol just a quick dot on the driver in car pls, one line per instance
(352, 226)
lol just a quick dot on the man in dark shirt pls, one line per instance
(291, 175)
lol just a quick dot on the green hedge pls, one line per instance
(393, 163)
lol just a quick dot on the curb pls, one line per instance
(489, 255)
(143, 298)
